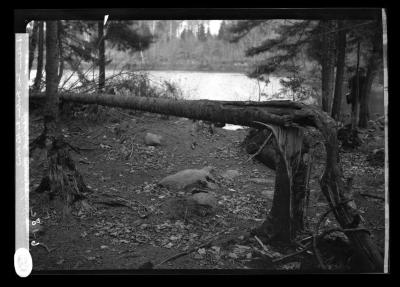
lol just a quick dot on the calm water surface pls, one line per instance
(226, 87)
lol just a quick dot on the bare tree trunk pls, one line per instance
(341, 56)
(52, 98)
(372, 70)
(60, 49)
(356, 98)
(33, 44)
(61, 179)
(39, 67)
(102, 64)
(287, 213)
(328, 65)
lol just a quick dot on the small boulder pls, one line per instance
(204, 198)
(189, 207)
(268, 193)
(190, 177)
(230, 174)
(152, 139)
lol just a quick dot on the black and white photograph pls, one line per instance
(220, 142)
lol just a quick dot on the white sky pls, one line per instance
(214, 26)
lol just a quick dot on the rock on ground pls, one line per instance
(204, 198)
(152, 139)
(184, 208)
(230, 174)
(189, 177)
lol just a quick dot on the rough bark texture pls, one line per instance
(341, 56)
(102, 60)
(61, 179)
(60, 50)
(372, 71)
(39, 67)
(52, 98)
(355, 108)
(253, 142)
(33, 44)
(286, 216)
(279, 113)
(328, 65)
(333, 188)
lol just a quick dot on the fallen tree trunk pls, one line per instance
(279, 113)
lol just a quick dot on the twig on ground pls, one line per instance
(45, 247)
(130, 154)
(268, 253)
(208, 242)
(127, 115)
(305, 248)
(371, 195)
(315, 236)
(260, 149)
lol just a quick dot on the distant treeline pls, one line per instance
(190, 48)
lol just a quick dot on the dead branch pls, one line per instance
(371, 195)
(260, 149)
(315, 235)
(208, 242)
(305, 248)
(268, 253)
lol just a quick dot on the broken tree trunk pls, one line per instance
(286, 216)
(280, 113)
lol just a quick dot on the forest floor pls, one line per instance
(114, 160)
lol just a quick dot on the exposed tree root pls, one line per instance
(61, 179)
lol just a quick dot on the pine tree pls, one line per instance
(183, 34)
(292, 39)
(39, 66)
(33, 43)
(222, 31)
(208, 33)
(341, 57)
(201, 34)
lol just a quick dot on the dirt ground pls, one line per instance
(115, 161)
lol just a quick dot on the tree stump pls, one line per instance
(286, 216)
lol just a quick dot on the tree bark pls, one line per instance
(372, 71)
(39, 67)
(33, 44)
(61, 179)
(280, 113)
(355, 109)
(286, 216)
(52, 98)
(328, 65)
(60, 49)
(341, 56)
(102, 59)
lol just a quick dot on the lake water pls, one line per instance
(217, 86)
(205, 85)
(227, 87)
